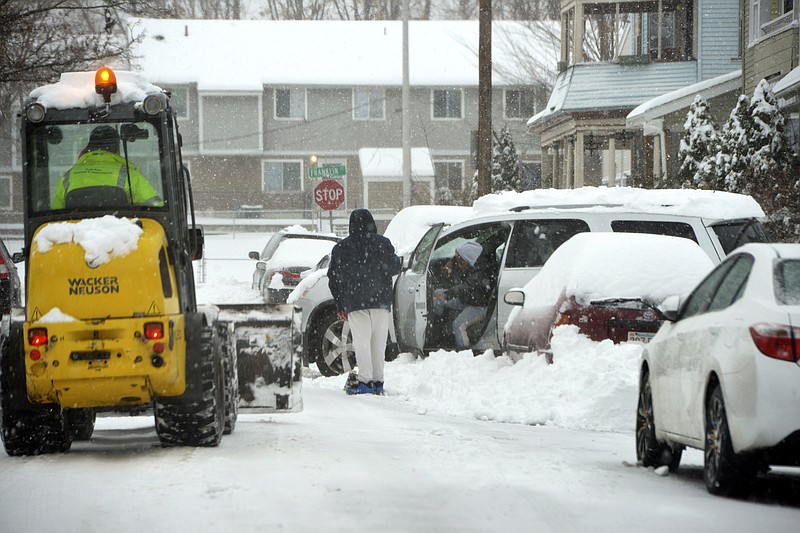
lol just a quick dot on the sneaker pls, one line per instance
(377, 387)
(361, 388)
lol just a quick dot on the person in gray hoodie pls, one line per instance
(360, 279)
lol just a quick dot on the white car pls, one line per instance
(723, 374)
(286, 255)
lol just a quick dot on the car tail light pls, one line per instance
(562, 319)
(776, 340)
(37, 336)
(3, 268)
(153, 331)
(289, 275)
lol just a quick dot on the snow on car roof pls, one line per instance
(598, 265)
(409, 225)
(713, 205)
(300, 252)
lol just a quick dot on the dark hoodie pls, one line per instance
(362, 266)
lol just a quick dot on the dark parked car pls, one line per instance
(10, 291)
(606, 284)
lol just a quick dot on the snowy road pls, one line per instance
(372, 464)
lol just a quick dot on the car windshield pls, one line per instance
(91, 156)
(787, 282)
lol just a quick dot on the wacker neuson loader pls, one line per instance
(110, 321)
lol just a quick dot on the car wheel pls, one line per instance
(331, 344)
(725, 472)
(649, 451)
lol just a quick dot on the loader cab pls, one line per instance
(133, 132)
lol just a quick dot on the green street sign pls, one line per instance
(325, 172)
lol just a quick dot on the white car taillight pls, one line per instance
(777, 340)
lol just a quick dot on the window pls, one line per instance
(531, 172)
(230, 123)
(449, 175)
(5, 192)
(368, 104)
(733, 285)
(534, 240)
(520, 103)
(290, 103)
(179, 98)
(656, 227)
(701, 297)
(787, 282)
(282, 176)
(447, 103)
(734, 234)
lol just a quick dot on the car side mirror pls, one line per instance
(514, 297)
(18, 257)
(254, 255)
(669, 308)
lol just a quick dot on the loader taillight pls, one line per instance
(778, 341)
(105, 83)
(37, 336)
(153, 331)
(36, 355)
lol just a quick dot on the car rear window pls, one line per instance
(656, 227)
(787, 282)
(731, 235)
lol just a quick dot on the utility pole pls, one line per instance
(484, 97)
(405, 125)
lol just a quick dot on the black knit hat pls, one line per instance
(104, 138)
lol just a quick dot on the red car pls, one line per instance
(606, 284)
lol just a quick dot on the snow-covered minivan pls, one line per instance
(518, 232)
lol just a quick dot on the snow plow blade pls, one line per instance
(269, 368)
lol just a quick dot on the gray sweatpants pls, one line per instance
(370, 329)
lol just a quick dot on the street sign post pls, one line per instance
(329, 194)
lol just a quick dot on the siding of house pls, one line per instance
(771, 58)
(718, 50)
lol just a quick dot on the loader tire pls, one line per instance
(80, 423)
(26, 428)
(198, 417)
(230, 362)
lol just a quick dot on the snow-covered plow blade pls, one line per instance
(269, 368)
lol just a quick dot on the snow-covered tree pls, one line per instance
(505, 163)
(729, 169)
(700, 142)
(769, 150)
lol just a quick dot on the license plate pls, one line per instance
(639, 336)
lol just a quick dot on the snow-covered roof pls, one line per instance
(388, 162)
(244, 55)
(790, 82)
(682, 98)
(609, 86)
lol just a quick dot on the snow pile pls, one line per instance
(56, 315)
(590, 385)
(76, 89)
(101, 238)
(708, 204)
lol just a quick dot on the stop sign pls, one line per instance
(329, 194)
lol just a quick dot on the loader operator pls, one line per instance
(100, 177)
